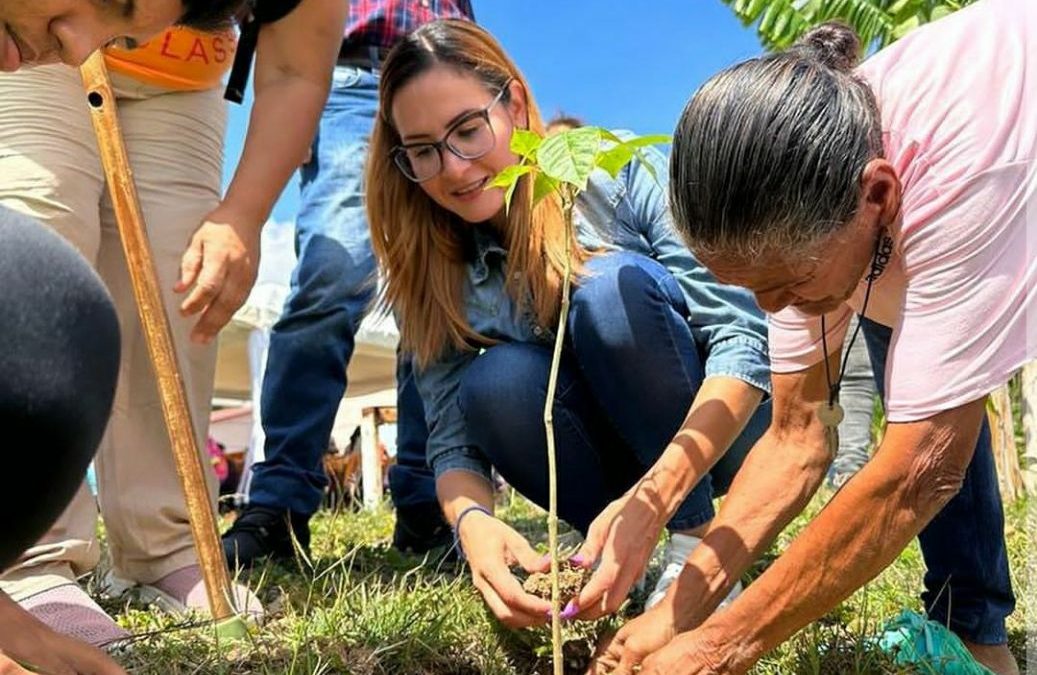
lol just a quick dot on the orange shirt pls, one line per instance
(180, 59)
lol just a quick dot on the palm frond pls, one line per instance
(779, 23)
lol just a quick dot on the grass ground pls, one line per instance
(359, 607)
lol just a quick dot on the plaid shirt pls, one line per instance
(380, 23)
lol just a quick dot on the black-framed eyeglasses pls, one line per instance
(470, 137)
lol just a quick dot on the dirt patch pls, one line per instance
(571, 579)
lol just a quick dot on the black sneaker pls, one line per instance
(260, 532)
(420, 529)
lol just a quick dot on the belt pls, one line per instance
(362, 56)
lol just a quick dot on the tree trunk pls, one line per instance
(1006, 453)
(1029, 405)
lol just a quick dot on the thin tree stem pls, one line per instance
(552, 383)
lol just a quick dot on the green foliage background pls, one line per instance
(779, 23)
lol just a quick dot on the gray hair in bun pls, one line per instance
(768, 155)
(833, 44)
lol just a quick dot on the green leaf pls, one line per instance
(902, 5)
(781, 22)
(651, 139)
(607, 135)
(906, 27)
(570, 156)
(614, 159)
(509, 178)
(542, 186)
(649, 167)
(508, 194)
(636, 141)
(524, 143)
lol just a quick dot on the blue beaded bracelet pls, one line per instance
(457, 525)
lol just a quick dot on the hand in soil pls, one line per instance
(492, 548)
(704, 651)
(571, 579)
(623, 651)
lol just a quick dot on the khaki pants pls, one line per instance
(49, 169)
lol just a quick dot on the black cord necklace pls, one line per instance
(830, 413)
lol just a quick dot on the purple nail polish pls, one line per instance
(578, 560)
(570, 611)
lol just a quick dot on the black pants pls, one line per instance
(59, 358)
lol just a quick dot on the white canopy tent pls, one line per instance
(371, 373)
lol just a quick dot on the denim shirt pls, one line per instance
(627, 213)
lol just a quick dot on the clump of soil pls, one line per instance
(571, 579)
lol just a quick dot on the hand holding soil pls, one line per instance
(571, 579)
(493, 548)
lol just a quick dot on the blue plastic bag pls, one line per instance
(915, 641)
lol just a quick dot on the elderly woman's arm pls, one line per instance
(625, 534)
(918, 468)
(730, 333)
(774, 484)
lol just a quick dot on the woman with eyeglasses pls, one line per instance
(664, 369)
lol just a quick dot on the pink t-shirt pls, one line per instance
(958, 286)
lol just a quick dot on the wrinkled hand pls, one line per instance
(218, 268)
(623, 537)
(26, 640)
(9, 667)
(696, 653)
(620, 652)
(492, 548)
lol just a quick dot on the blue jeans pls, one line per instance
(629, 373)
(411, 481)
(331, 288)
(857, 396)
(967, 584)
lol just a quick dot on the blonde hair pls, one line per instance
(421, 246)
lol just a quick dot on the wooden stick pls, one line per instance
(1029, 408)
(370, 459)
(132, 231)
(1006, 452)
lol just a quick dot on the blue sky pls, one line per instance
(614, 63)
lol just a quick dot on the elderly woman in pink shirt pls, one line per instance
(902, 191)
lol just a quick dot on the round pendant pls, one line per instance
(830, 415)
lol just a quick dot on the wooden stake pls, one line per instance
(1006, 453)
(370, 459)
(132, 231)
(1028, 401)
